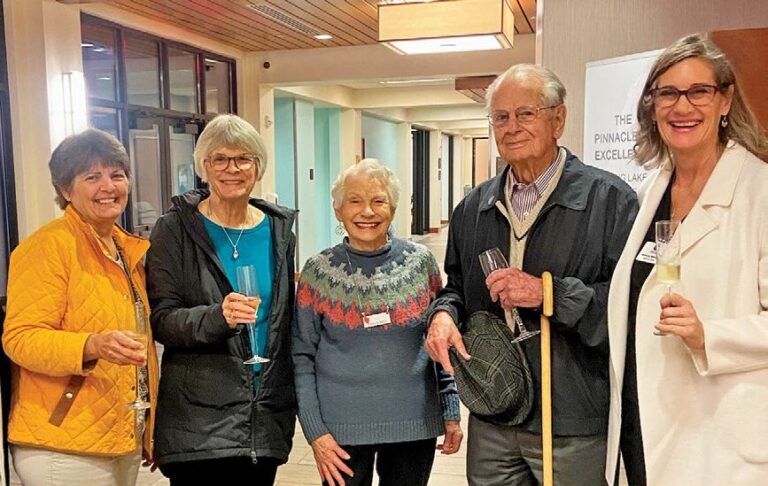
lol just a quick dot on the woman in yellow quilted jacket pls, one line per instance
(76, 308)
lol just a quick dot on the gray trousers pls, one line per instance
(502, 456)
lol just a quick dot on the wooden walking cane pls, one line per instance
(546, 380)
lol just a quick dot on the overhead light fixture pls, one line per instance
(74, 102)
(323, 37)
(449, 26)
(400, 82)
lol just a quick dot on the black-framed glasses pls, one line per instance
(698, 95)
(523, 114)
(221, 162)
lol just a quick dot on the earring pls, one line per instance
(724, 121)
(339, 229)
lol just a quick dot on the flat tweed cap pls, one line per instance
(496, 383)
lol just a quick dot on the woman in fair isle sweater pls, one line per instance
(367, 390)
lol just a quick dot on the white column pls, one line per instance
(264, 121)
(405, 175)
(351, 137)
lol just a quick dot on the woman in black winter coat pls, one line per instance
(218, 418)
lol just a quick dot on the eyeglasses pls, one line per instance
(242, 162)
(699, 95)
(524, 114)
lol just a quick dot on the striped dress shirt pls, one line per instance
(523, 197)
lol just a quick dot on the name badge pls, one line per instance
(648, 253)
(375, 320)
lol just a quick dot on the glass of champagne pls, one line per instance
(248, 286)
(141, 335)
(667, 253)
(491, 260)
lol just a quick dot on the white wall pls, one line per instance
(576, 32)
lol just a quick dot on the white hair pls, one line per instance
(532, 76)
(370, 168)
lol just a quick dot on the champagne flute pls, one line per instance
(667, 253)
(491, 260)
(248, 285)
(141, 335)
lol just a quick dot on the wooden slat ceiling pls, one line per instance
(474, 87)
(262, 25)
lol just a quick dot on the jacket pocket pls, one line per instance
(741, 421)
(215, 380)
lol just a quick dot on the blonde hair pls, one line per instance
(650, 149)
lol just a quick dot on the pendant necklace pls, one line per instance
(235, 253)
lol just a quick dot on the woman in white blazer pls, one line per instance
(689, 369)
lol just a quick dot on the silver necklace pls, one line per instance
(235, 253)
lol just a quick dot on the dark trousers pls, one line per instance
(397, 464)
(503, 456)
(228, 470)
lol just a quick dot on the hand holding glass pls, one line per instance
(491, 260)
(667, 253)
(248, 286)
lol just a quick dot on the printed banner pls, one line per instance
(611, 91)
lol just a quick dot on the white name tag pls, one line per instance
(375, 320)
(648, 253)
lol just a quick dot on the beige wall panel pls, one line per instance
(579, 31)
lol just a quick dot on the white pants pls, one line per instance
(40, 467)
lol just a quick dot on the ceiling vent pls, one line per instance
(282, 18)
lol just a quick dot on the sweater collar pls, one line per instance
(379, 251)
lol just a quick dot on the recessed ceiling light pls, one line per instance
(323, 37)
(104, 78)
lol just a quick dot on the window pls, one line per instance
(151, 93)
(182, 80)
(99, 62)
(106, 119)
(217, 82)
(142, 71)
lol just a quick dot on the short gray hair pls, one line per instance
(530, 76)
(371, 168)
(232, 132)
(78, 153)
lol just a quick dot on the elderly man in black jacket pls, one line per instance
(546, 211)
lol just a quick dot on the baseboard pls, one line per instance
(434, 230)
(444, 222)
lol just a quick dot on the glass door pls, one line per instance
(162, 165)
(147, 194)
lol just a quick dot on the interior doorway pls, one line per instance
(420, 197)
